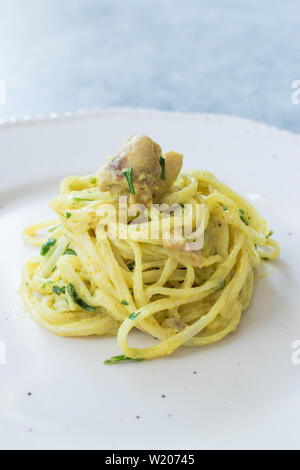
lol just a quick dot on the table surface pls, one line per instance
(228, 57)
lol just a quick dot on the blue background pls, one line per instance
(220, 56)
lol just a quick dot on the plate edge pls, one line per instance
(149, 112)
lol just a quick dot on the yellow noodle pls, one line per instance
(180, 299)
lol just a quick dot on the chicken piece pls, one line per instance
(177, 249)
(175, 323)
(138, 170)
(173, 164)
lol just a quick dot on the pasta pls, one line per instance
(88, 282)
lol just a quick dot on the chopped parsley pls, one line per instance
(270, 233)
(59, 290)
(128, 175)
(69, 251)
(123, 358)
(68, 215)
(131, 266)
(123, 302)
(242, 217)
(93, 180)
(134, 315)
(53, 228)
(77, 300)
(54, 269)
(82, 199)
(225, 208)
(46, 247)
(162, 163)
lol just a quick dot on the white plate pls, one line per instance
(246, 390)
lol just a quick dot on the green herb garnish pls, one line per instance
(128, 175)
(54, 269)
(134, 315)
(68, 215)
(46, 247)
(93, 180)
(69, 251)
(77, 300)
(82, 199)
(266, 259)
(181, 205)
(58, 290)
(53, 228)
(242, 217)
(270, 234)
(162, 163)
(123, 302)
(131, 266)
(123, 358)
(225, 208)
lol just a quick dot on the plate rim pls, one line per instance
(57, 117)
